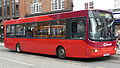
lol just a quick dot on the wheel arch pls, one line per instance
(17, 44)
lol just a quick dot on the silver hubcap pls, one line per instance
(61, 53)
(18, 49)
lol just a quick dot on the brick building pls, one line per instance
(43, 6)
(12, 9)
(0, 10)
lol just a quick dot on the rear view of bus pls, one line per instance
(101, 34)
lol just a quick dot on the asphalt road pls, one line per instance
(12, 59)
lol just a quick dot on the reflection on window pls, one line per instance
(19, 30)
(34, 30)
(44, 30)
(28, 30)
(100, 29)
(58, 29)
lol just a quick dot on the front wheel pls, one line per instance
(18, 49)
(61, 53)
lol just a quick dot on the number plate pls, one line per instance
(106, 55)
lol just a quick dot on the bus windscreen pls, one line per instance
(100, 24)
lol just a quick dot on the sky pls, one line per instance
(98, 4)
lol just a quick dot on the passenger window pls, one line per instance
(58, 29)
(19, 30)
(8, 31)
(78, 28)
(13, 31)
(44, 30)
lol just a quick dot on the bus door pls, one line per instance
(76, 35)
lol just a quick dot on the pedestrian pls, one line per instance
(118, 41)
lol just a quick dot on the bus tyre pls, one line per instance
(61, 53)
(18, 49)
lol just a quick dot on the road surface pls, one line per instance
(12, 59)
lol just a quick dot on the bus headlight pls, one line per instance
(115, 48)
(93, 50)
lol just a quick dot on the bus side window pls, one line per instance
(74, 27)
(31, 30)
(29, 33)
(58, 29)
(44, 29)
(78, 28)
(19, 30)
(12, 30)
(8, 31)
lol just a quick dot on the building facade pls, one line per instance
(0, 10)
(43, 6)
(12, 9)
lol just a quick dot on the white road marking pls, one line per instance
(17, 61)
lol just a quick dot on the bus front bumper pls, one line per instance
(102, 52)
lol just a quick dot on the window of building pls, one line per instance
(36, 7)
(0, 11)
(0, 8)
(35, 1)
(8, 11)
(5, 9)
(15, 8)
(57, 5)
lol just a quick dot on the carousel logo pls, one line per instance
(105, 44)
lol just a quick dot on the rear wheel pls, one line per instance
(18, 49)
(61, 53)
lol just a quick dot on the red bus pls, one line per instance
(81, 34)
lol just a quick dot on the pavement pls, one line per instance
(1, 43)
(118, 52)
